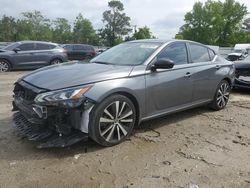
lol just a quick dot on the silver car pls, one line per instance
(122, 87)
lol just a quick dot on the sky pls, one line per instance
(163, 17)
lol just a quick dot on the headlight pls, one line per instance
(65, 98)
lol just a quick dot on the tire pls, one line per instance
(109, 126)
(87, 58)
(5, 66)
(221, 96)
(55, 61)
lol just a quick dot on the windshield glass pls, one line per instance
(11, 46)
(133, 53)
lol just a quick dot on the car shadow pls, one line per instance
(15, 147)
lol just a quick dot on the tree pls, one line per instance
(39, 25)
(83, 31)
(143, 33)
(61, 31)
(214, 22)
(117, 23)
(7, 28)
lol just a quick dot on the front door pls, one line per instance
(172, 88)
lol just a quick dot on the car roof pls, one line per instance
(33, 41)
(164, 41)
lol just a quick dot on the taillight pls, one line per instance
(93, 53)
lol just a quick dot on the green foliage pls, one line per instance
(143, 33)
(214, 23)
(117, 23)
(7, 33)
(83, 31)
(38, 25)
(61, 31)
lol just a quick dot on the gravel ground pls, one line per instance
(196, 147)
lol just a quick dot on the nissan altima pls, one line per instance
(130, 83)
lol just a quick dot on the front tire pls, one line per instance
(4, 66)
(112, 121)
(221, 96)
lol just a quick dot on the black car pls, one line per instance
(79, 51)
(30, 55)
(242, 73)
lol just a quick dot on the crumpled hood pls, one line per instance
(74, 74)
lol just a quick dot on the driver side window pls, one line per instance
(176, 52)
(27, 47)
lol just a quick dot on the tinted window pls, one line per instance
(40, 46)
(68, 47)
(51, 46)
(199, 53)
(89, 48)
(211, 54)
(27, 47)
(79, 47)
(177, 52)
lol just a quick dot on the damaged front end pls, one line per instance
(242, 77)
(54, 118)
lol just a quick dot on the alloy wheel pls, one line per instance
(223, 95)
(116, 121)
(4, 66)
(55, 62)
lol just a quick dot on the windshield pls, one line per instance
(133, 53)
(11, 46)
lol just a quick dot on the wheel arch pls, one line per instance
(228, 80)
(130, 96)
(6, 59)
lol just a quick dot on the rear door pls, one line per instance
(170, 89)
(204, 72)
(42, 54)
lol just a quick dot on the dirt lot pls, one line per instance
(199, 146)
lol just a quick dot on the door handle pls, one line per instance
(218, 66)
(188, 74)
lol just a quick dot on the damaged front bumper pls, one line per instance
(242, 79)
(51, 126)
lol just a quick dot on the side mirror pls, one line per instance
(163, 64)
(17, 50)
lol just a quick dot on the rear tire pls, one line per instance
(112, 121)
(56, 61)
(5, 66)
(221, 96)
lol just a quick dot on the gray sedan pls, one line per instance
(125, 85)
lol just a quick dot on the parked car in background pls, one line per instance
(125, 85)
(242, 73)
(79, 51)
(30, 55)
(238, 54)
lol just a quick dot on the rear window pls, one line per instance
(79, 47)
(199, 53)
(40, 46)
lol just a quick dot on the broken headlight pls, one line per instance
(68, 98)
